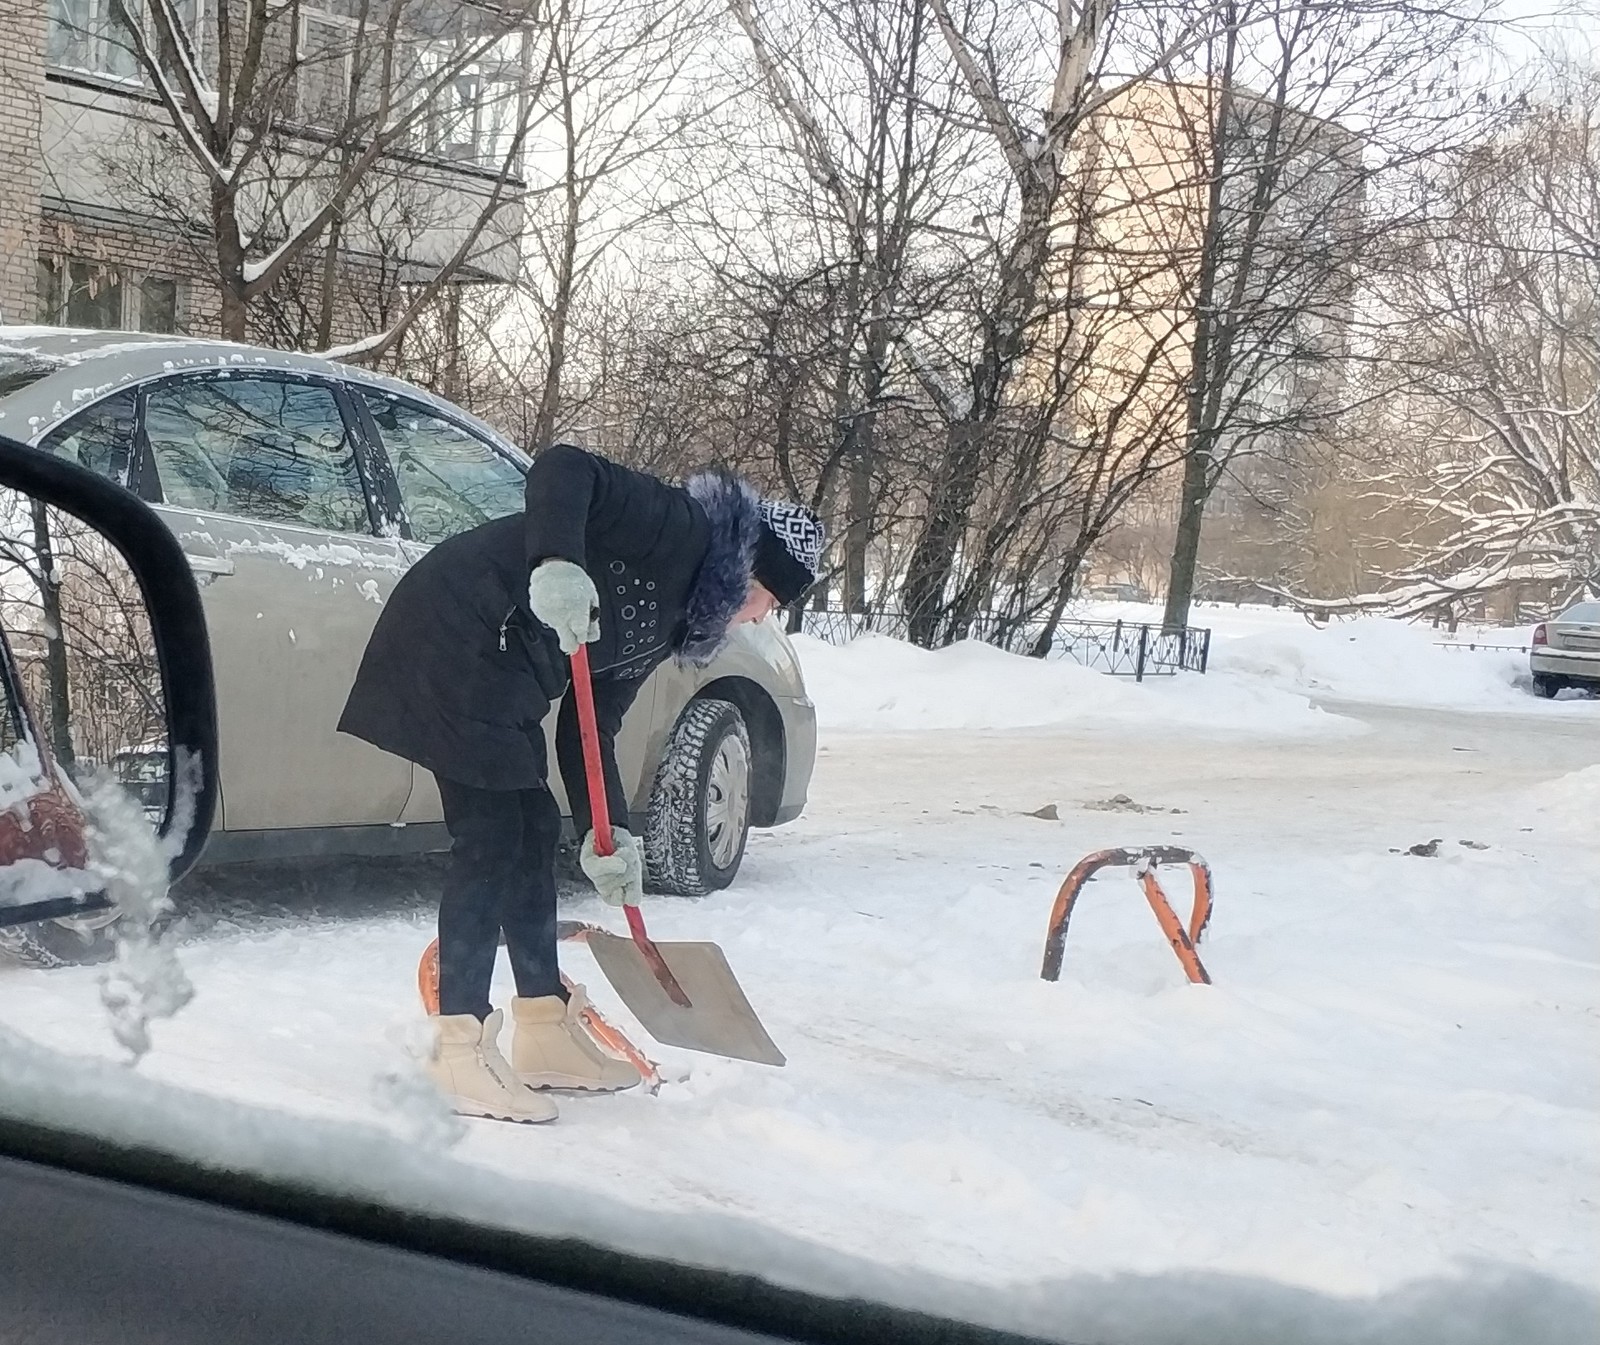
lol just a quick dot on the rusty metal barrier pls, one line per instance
(1144, 863)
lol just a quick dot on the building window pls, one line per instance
(327, 46)
(80, 293)
(158, 304)
(86, 36)
(473, 107)
(473, 117)
(77, 292)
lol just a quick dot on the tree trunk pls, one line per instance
(544, 425)
(933, 557)
(59, 711)
(858, 533)
(1066, 583)
(1186, 545)
(453, 389)
(330, 287)
(1206, 373)
(956, 483)
(235, 314)
(859, 528)
(230, 265)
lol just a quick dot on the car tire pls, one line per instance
(1547, 684)
(76, 942)
(700, 806)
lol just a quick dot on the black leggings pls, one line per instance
(501, 877)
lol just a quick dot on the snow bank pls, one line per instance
(1373, 659)
(1569, 804)
(1376, 1126)
(1484, 1304)
(876, 684)
(1376, 660)
(1267, 668)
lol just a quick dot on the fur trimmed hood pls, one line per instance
(722, 584)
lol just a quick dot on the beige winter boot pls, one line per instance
(551, 1048)
(472, 1074)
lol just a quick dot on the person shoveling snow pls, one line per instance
(464, 665)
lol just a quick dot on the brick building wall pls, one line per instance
(22, 89)
(130, 254)
(79, 246)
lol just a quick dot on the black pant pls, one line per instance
(501, 876)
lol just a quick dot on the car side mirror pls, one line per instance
(105, 676)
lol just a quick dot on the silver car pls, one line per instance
(1566, 651)
(301, 490)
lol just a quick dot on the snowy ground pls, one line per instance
(1379, 1124)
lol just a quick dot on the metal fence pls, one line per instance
(1122, 648)
(1478, 646)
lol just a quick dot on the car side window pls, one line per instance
(265, 448)
(450, 480)
(99, 438)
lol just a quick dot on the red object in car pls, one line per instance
(50, 827)
(46, 825)
(1540, 635)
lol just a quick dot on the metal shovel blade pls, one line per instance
(720, 1020)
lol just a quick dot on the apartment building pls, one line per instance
(106, 222)
(1281, 226)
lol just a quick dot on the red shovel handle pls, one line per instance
(593, 771)
(600, 813)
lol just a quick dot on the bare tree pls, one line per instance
(1493, 413)
(985, 41)
(1026, 82)
(626, 118)
(848, 260)
(1287, 115)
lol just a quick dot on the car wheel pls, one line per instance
(72, 941)
(1546, 684)
(700, 806)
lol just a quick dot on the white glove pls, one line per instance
(562, 596)
(619, 877)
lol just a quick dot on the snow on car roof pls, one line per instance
(147, 351)
(93, 364)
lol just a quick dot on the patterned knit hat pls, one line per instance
(788, 550)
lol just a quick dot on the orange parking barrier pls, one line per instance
(1144, 864)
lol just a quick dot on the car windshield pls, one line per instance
(1583, 612)
(900, 648)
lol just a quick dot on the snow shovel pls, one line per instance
(685, 994)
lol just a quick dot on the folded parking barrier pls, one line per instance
(1144, 863)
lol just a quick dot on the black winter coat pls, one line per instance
(458, 675)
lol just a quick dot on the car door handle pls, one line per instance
(214, 565)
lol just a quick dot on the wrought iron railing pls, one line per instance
(1123, 648)
(1480, 647)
